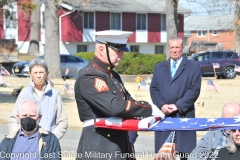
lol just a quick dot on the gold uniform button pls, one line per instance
(108, 135)
(142, 102)
(135, 102)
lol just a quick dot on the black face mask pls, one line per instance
(28, 124)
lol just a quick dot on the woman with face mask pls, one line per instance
(30, 141)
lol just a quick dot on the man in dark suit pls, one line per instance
(174, 88)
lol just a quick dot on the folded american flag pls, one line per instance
(127, 124)
(169, 124)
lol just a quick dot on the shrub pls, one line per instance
(85, 55)
(133, 63)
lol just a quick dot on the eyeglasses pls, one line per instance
(234, 130)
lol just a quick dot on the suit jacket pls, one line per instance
(182, 90)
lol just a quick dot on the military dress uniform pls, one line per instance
(100, 93)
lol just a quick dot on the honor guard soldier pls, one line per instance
(100, 93)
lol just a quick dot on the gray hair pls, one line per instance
(29, 100)
(232, 146)
(175, 38)
(38, 62)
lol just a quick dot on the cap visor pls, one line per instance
(125, 49)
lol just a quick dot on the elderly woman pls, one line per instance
(54, 118)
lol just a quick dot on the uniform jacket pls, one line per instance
(208, 143)
(48, 145)
(100, 93)
(54, 117)
(182, 90)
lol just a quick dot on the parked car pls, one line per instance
(72, 63)
(21, 69)
(198, 46)
(226, 59)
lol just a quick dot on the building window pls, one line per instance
(159, 49)
(134, 48)
(81, 48)
(116, 21)
(11, 20)
(163, 22)
(88, 20)
(214, 32)
(201, 33)
(141, 21)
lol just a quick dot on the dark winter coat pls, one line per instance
(182, 90)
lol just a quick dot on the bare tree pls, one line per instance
(219, 7)
(35, 29)
(237, 25)
(52, 50)
(172, 21)
(211, 7)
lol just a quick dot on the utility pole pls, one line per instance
(237, 25)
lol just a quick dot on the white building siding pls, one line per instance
(163, 36)
(23, 46)
(71, 48)
(142, 36)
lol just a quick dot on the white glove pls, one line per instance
(156, 111)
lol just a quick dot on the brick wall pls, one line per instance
(226, 38)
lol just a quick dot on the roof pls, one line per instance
(208, 22)
(139, 6)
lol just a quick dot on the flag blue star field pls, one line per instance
(169, 124)
(198, 124)
(171, 138)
